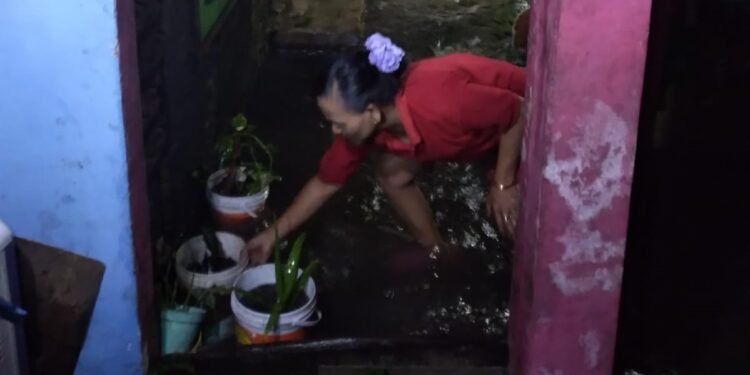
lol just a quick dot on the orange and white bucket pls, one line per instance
(251, 324)
(234, 213)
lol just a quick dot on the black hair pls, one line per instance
(360, 83)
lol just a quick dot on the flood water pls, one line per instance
(358, 239)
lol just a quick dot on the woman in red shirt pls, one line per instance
(458, 107)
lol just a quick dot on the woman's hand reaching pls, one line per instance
(502, 205)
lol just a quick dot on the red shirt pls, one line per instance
(452, 108)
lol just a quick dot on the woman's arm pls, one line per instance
(509, 153)
(482, 107)
(503, 199)
(307, 202)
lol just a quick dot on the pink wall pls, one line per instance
(586, 66)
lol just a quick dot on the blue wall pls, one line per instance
(62, 155)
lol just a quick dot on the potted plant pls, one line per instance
(276, 302)
(210, 260)
(239, 189)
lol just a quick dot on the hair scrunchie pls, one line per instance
(384, 54)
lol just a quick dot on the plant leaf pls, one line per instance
(292, 265)
(300, 287)
(213, 243)
(273, 319)
(278, 265)
(239, 122)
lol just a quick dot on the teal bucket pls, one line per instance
(179, 327)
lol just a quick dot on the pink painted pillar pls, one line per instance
(586, 66)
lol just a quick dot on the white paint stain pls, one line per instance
(589, 246)
(571, 283)
(593, 176)
(589, 180)
(591, 343)
(584, 246)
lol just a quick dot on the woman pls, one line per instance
(457, 107)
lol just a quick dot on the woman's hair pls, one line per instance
(360, 83)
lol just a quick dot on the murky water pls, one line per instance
(357, 237)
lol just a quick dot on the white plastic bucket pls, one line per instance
(249, 205)
(195, 250)
(291, 324)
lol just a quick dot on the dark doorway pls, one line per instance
(686, 297)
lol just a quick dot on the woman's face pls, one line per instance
(353, 126)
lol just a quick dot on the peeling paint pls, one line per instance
(604, 278)
(595, 174)
(591, 343)
(589, 181)
(583, 246)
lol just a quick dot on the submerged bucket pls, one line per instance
(179, 328)
(195, 249)
(251, 324)
(234, 213)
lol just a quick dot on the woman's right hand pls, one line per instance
(260, 247)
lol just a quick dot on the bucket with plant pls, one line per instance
(239, 189)
(276, 302)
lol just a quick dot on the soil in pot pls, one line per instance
(262, 299)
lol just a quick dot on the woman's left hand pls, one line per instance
(503, 206)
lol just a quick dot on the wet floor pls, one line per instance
(359, 241)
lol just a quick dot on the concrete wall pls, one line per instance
(337, 16)
(63, 156)
(422, 27)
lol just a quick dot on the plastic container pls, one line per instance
(195, 250)
(179, 327)
(251, 324)
(234, 214)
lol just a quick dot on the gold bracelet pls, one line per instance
(504, 187)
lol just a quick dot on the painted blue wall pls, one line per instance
(62, 155)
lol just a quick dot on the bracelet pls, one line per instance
(504, 187)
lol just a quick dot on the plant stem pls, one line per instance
(190, 290)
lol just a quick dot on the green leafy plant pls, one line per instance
(247, 160)
(289, 282)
